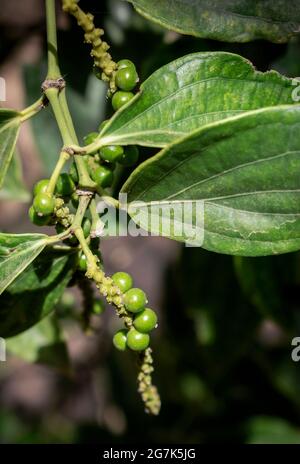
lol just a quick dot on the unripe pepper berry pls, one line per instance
(103, 176)
(64, 185)
(86, 226)
(111, 153)
(137, 341)
(82, 263)
(135, 300)
(145, 321)
(103, 124)
(90, 138)
(120, 99)
(123, 281)
(36, 219)
(120, 339)
(125, 64)
(40, 187)
(126, 78)
(44, 204)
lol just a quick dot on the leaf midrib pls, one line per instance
(255, 80)
(228, 171)
(241, 238)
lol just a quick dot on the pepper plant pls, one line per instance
(226, 135)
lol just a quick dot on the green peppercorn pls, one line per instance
(137, 341)
(126, 78)
(120, 339)
(125, 64)
(120, 99)
(145, 321)
(82, 262)
(123, 280)
(65, 185)
(103, 124)
(86, 226)
(90, 138)
(41, 186)
(36, 219)
(103, 176)
(44, 204)
(111, 153)
(135, 300)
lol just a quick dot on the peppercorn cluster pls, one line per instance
(103, 61)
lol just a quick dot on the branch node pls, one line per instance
(59, 84)
(85, 192)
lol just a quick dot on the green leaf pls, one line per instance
(9, 128)
(191, 92)
(34, 294)
(13, 187)
(230, 21)
(271, 430)
(17, 251)
(42, 343)
(237, 181)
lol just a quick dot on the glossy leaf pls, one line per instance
(17, 251)
(34, 294)
(229, 21)
(191, 92)
(13, 187)
(9, 129)
(239, 178)
(42, 343)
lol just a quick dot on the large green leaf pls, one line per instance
(13, 186)
(191, 92)
(9, 128)
(243, 173)
(35, 292)
(226, 20)
(42, 343)
(17, 251)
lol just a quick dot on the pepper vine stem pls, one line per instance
(78, 232)
(53, 67)
(33, 109)
(63, 158)
(96, 221)
(57, 99)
